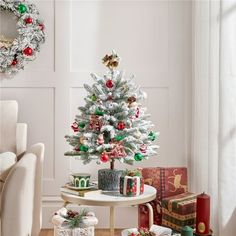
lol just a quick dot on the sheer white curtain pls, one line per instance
(213, 159)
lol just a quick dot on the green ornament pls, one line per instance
(94, 98)
(22, 8)
(99, 112)
(187, 231)
(82, 125)
(152, 136)
(83, 148)
(119, 137)
(138, 157)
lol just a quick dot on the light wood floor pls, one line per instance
(99, 232)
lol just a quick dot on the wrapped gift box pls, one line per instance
(131, 186)
(179, 211)
(156, 230)
(168, 182)
(65, 231)
(62, 226)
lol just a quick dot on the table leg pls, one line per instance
(150, 214)
(112, 211)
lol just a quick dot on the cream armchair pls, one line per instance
(20, 209)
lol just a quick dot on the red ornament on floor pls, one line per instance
(109, 83)
(121, 125)
(28, 20)
(104, 157)
(28, 51)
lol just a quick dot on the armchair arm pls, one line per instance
(17, 198)
(38, 150)
(21, 138)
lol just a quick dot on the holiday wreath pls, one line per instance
(15, 53)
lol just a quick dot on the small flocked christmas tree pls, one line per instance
(112, 125)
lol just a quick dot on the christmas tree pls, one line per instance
(112, 124)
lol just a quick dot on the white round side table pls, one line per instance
(112, 200)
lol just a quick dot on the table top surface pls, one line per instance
(111, 198)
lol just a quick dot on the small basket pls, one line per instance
(66, 231)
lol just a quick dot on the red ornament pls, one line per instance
(28, 51)
(41, 27)
(109, 83)
(143, 148)
(29, 20)
(137, 114)
(14, 62)
(104, 157)
(121, 125)
(75, 127)
(110, 98)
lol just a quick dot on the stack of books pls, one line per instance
(80, 192)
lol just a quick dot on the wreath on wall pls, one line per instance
(16, 53)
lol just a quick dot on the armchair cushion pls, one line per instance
(7, 160)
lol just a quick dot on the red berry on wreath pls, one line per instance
(14, 62)
(121, 125)
(104, 157)
(29, 20)
(41, 27)
(28, 51)
(109, 83)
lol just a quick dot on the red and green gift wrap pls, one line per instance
(131, 185)
(179, 211)
(168, 181)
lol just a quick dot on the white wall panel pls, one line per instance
(154, 41)
(36, 108)
(136, 29)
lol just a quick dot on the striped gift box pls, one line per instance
(179, 211)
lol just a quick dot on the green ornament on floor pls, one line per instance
(152, 136)
(94, 98)
(82, 125)
(138, 157)
(22, 8)
(119, 137)
(187, 231)
(99, 112)
(83, 148)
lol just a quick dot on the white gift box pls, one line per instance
(61, 226)
(65, 231)
(156, 229)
